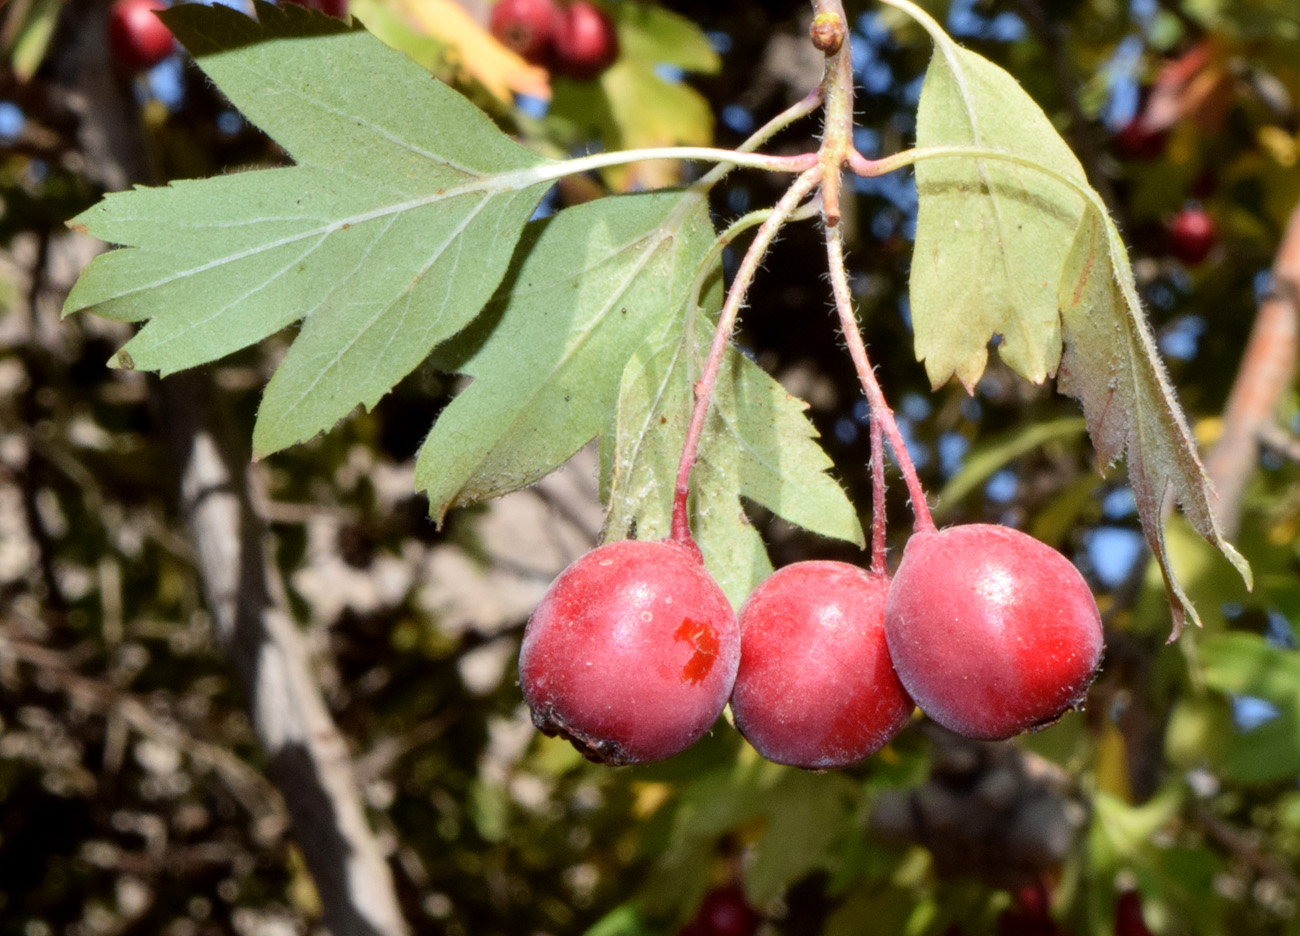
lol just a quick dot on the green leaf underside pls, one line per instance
(1112, 367)
(756, 445)
(596, 302)
(991, 237)
(386, 238)
(589, 285)
(1013, 248)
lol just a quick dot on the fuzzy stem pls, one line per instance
(837, 130)
(878, 566)
(681, 529)
(734, 230)
(764, 133)
(880, 411)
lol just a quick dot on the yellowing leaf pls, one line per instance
(632, 106)
(991, 236)
(499, 69)
(1012, 241)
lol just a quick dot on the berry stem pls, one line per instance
(880, 412)
(798, 191)
(878, 566)
(733, 231)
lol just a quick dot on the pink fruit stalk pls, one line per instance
(632, 652)
(991, 632)
(816, 687)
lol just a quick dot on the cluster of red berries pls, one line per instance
(634, 651)
(575, 39)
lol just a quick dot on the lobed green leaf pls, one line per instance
(386, 239)
(592, 320)
(757, 444)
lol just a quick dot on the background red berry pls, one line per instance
(525, 26)
(632, 653)
(335, 8)
(991, 631)
(586, 42)
(1128, 915)
(724, 911)
(1138, 141)
(816, 687)
(137, 38)
(1192, 235)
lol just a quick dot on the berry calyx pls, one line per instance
(1192, 235)
(632, 652)
(991, 632)
(137, 39)
(585, 42)
(816, 687)
(526, 27)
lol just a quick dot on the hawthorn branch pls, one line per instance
(1267, 367)
(308, 759)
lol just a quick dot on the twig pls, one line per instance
(1267, 367)
(1241, 845)
(250, 788)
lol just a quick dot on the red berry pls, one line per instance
(1138, 141)
(585, 41)
(1192, 235)
(991, 631)
(525, 26)
(335, 8)
(816, 688)
(137, 38)
(1029, 914)
(632, 652)
(1128, 915)
(724, 911)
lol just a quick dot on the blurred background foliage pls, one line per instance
(130, 794)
